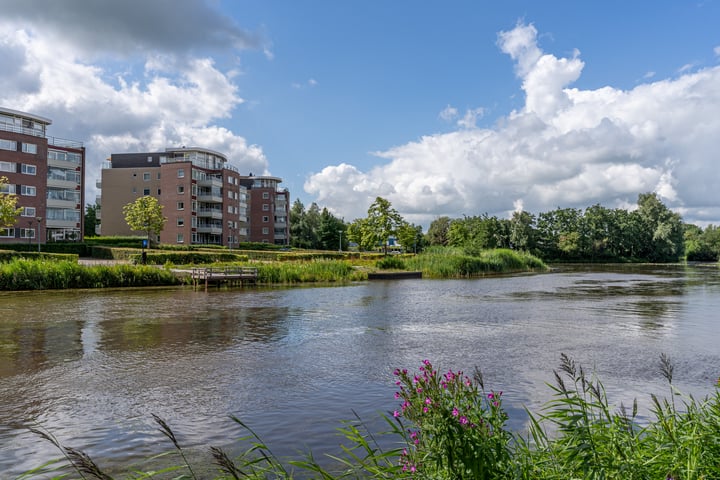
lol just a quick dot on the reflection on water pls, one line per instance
(91, 366)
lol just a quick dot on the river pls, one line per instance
(92, 366)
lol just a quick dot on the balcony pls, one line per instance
(215, 213)
(211, 229)
(210, 181)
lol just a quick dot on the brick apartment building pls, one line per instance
(47, 175)
(205, 200)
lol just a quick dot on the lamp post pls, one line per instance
(340, 232)
(39, 221)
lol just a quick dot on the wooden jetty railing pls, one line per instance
(229, 275)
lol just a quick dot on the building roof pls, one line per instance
(17, 113)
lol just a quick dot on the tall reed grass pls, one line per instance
(311, 271)
(448, 262)
(22, 274)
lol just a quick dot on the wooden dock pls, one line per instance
(227, 275)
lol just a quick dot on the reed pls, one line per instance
(448, 262)
(311, 272)
(23, 274)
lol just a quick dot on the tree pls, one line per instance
(437, 233)
(664, 229)
(522, 232)
(330, 231)
(382, 222)
(8, 206)
(410, 237)
(145, 214)
(91, 220)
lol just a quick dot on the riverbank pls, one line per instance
(47, 273)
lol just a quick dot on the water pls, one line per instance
(92, 367)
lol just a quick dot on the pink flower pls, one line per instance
(425, 409)
(463, 420)
(396, 414)
(428, 401)
(455, 412)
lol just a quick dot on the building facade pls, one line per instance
(205, 200)
(270, 210)
(47, 175)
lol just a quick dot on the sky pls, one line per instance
(455, 108)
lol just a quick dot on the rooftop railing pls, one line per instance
(56, 141)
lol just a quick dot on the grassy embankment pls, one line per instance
(448, 426)
(28, 271)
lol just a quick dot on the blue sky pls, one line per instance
(454, 108)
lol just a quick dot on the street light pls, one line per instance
(340, 232)
(39, 221)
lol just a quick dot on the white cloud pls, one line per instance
(162, 95)
(470, 118)
(566, 147)
(448, 113)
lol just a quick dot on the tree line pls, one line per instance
(651, 232)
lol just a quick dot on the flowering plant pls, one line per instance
(453, 427)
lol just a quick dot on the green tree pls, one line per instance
(437, 233)
(8, 206)
(410, 237)
(91, 220)
(663, 229)
(522, 231)
(382, 222)
(331, 231)
(145, 215)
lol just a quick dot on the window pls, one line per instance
(180, 222)
(158, 175)
(29, 169)
(29, 148)
(8, 145)
(180, 238)
(146, 191)
(27, 233)
(150, 159)
(193, 222)
(266, 219)
(265, 230)
(28, 212)
(7, 233)
(181, 188)
(181, 205)
(181, 173)
(158, 192)
(28, 190)
(134, 190)
(146, 176)
(7, 188)
(266, 195)
(7, 167)
(266, 207)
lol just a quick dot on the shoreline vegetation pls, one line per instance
(169, 267)
(447, 425)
